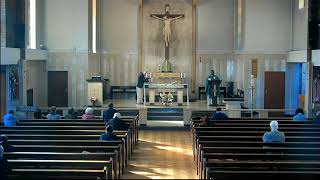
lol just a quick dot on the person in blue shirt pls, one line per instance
(108, 135)
(274, 135)
(53, 115)
(9, 119)
(5, 144)
(218, 115)
(109, 113)
(299, 115)
(117, 123)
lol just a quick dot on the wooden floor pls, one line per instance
(162, 154)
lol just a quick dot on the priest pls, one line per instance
(212, 88)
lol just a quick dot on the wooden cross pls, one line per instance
(167, 18)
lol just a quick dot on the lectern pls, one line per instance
(95, 90)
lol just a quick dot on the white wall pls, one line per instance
(300, 24)
(215, 26)
(268, 25)
(65, 24)
(118, 25)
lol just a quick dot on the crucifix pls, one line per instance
(167, 18)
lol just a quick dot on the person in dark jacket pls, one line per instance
(117, 123)
(109, 113)
(218, 115)
(139, 87)
(4, 165)
(38, 114)
(108, 135)
(71, 114)
(5, 144)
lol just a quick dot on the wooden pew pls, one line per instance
(47, 133)
(68, 156)
(262, 169)
(59, 169)
(120, 161)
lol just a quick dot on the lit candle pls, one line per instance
(252, 81)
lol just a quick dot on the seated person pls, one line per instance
(274, 135)
(108, 135)
(19, 114)
(317, 118)
(4, 165)
(88, 115)
(71, 114)
(53, 114)
(108, 114)
(218, 115)
(117, 123)
(9, 119)
(5, 144)
(38, 114)
(299, 115)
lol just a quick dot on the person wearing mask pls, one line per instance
(88, 115)
(9, 119)
(274, 135)
(109, 113)
(108, 135)
(117, 123)
(299, 115)
(5, 144)
(4, 165)
(53, 114)
(71, 114)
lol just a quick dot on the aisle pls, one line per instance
(162, 154)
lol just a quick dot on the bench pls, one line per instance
(68, 156)
(60, 169)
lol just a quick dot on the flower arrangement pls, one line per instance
(93, 101)
(166, 99)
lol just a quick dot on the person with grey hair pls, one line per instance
(88, 115)
(53, 114)
(274, 135)
(4, 165)
(117, 123)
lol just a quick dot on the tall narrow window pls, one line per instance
(32, 25)
(301, 4)
(94, 26)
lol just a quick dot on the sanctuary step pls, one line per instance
(165, 114)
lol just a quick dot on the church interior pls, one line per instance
(202, 89)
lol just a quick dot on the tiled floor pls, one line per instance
(162, 154)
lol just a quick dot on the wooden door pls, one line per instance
(3, 91)
(274, 92)
(58, 88)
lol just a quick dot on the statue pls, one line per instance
(167, 18)
(212, 88)
(316, 89)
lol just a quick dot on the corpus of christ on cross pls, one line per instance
(167, 18)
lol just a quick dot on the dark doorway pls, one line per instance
(3, 93)
(58, 88)
(274, 92)
(30, 97)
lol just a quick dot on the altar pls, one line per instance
(166, 85)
